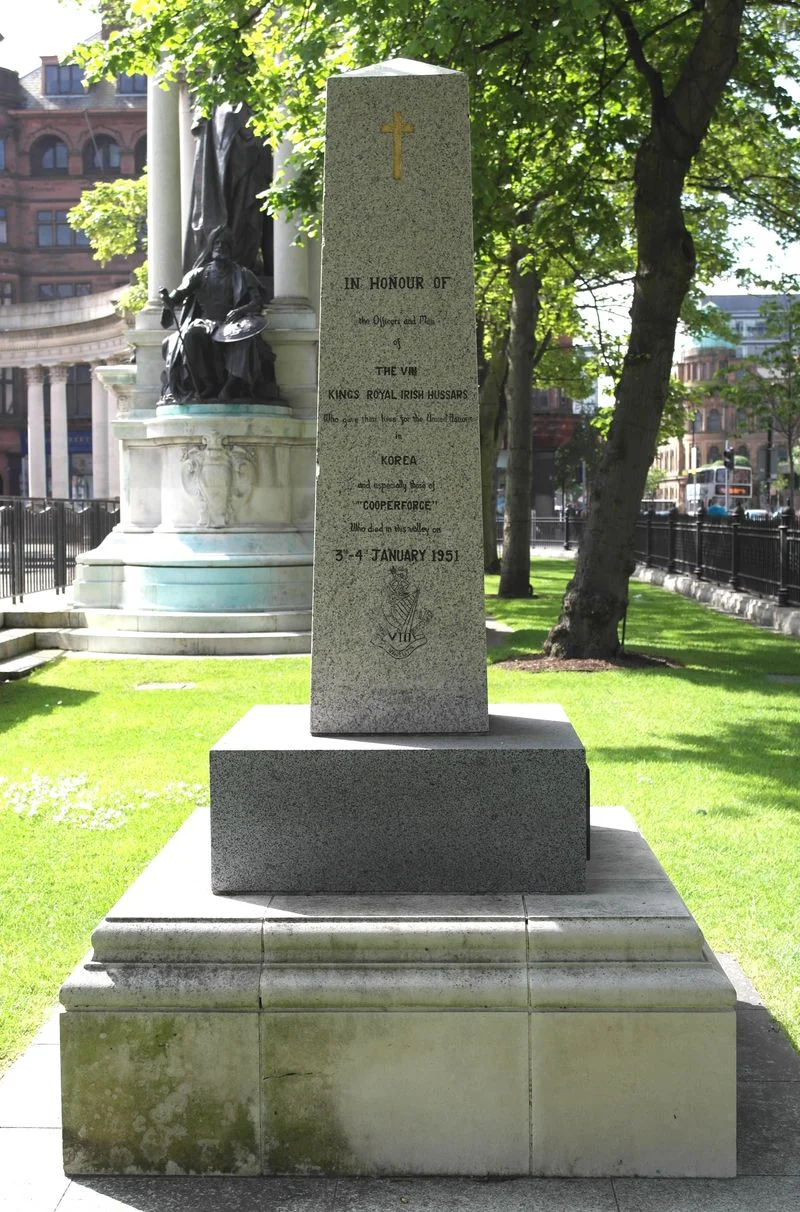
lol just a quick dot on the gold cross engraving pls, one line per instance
(397, 128)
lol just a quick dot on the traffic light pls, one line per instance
(727, 457)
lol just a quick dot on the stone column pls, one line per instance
(164, 237)
(37, 466)
(187, 145)
(291, 260)
(114, 444)
(59, 446)
(293, 321)
(99, 438)
(134, 465)
(163, 189)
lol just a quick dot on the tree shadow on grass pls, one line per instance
(762, 749)
(665, 664)
(660, 624)
(20, 700)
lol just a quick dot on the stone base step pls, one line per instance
(191, 622)
(158, 620)
(178, 643)
(14, 641)
(20, 666)
(28, 617)
(576, 1035)
(157, 633)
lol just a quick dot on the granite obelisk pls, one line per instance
(398, 620)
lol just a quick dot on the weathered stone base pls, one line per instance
(510, 1034)
(217, 508)
(227, 571)
(466, 813)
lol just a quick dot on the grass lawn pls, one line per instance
(95, 775)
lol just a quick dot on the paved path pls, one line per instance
(31, 1178)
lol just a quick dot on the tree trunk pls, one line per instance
(597, 596)
(492, 417)
(516, 565)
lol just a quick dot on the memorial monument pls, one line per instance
(215, 537)
(399, 642)
(406, 964)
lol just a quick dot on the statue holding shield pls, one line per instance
(217, 351)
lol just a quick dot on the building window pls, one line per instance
(53, 230)
(101, 155)
(47, 291)
(9, 395)
(713, 421)
(132, 84)
(2, 153)
(140, 156)
(3, 226)
(63, 80)
(79, 391)
(49, 156)
(6, 293)
(713, 455)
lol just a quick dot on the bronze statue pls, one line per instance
(232, 168)
(217, 351)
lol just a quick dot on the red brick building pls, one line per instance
(714, 423)
(57, 138)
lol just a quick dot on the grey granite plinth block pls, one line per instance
(292, 812)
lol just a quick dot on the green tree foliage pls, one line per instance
(613, 140)
(538, 204)
(113, 215)
(540, 208)
(577, 462)
(655, 478)
(706, 78)
(673, 418)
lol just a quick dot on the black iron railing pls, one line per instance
(563, 531)
(759, 557)
(762, 558)
(40, 539)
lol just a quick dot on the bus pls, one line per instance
(731, 488)
(656, 505)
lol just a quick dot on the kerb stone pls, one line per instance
(398, 641)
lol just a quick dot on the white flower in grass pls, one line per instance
(72, 800)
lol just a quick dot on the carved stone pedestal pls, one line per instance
(222, 521)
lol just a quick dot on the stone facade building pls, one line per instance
(715, 423)
(57, 138)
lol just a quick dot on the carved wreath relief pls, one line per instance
(221, 475)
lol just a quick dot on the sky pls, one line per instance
(32, 28)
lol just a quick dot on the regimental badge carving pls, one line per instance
(222, 475)
(399, 630)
